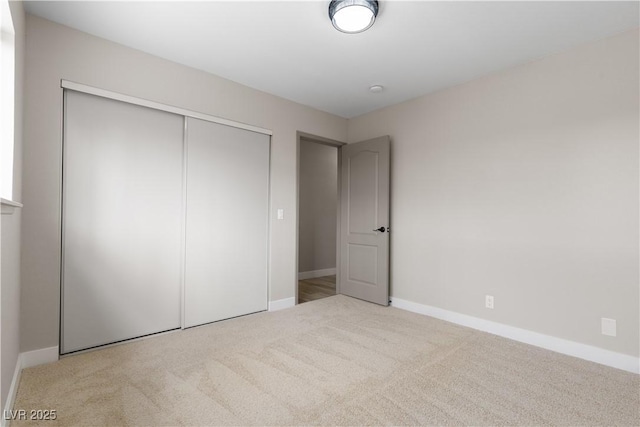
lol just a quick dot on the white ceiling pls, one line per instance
(291, 50)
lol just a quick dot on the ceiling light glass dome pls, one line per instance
(353, 16)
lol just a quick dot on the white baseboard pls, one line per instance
(13, 390)
(282, 304)
(304, 275)
(26, 360)
(559, 345)
(39, 357)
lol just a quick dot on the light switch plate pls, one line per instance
(280, 213)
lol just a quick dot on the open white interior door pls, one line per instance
(364, 220)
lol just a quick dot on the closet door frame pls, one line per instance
(78, 87)
(103, 93)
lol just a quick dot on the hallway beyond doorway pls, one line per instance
(318, 288)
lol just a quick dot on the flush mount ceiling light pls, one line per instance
(353, 16)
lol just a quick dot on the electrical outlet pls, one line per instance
(280, 213)
(608, 327)
(488, 301)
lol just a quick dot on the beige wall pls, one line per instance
(523, 185)
(317, 206)
(56, 52)
(11, 225)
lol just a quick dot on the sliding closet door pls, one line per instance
(122, 213)
(227, 220)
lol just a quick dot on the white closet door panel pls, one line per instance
(122, 219)
(227, 222)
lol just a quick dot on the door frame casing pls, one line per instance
(300, 136)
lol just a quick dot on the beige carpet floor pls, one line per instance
(335, 361)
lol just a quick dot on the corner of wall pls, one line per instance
(10, 287)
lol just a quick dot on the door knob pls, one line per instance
(381, 229)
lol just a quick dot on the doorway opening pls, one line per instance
(318, 217)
